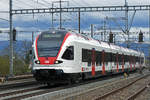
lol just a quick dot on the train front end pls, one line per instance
(47, 67)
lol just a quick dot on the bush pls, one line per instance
(4, 65)
(20, 67)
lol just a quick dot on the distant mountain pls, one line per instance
(4, 44)
(19, 47)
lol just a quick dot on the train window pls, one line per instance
(113, 58)
(87, 56)
(142, 60)
(48, 44)
(98, 58)
(130, 59)
(84, 55)
(120, 59)
(106, 57)
(69, 53)
(110, 57)
(134, 59)
(137, 59)
(125, 58)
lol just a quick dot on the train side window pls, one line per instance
(107, 57)
(112, 57)
(142, 60)
(84, 55)
(126, 58)
(115, 59)
(98, 58)
(120, 59)
(87, 56)
(69, 53)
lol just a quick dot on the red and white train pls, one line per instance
(62, 56)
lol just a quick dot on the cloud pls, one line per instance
(35, 20)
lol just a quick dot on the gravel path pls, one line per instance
(91, 94)
(123, 94)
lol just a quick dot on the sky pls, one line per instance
(40, 22)
(43, 21)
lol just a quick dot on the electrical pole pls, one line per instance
(92, 29)
(60, 8)
(11, 39)
(149, 39)
(52, 16)
(126, 22)
(105, 29)
(79, 20)
(60, 15)
(32, 38)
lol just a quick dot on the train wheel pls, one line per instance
(83, 77)
(50, 84)
(70, 81)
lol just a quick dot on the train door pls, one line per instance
(111, 60)
(117, 61)
(93, 61)
(130, 62)
(103, 62)
(122, 62)
(134, 62)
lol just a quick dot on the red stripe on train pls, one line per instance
(65, 38)
(122, 63)
(117, 63)
(103, 59)
(93, 62)
(36, 45)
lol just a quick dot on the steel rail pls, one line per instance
(119, 89)
(133, 96)
(40, 91)
(16, 85)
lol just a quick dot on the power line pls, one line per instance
(22, 2)
(46, 2)
(82, 9)
(40, 3)
(85, 2)
(4, 11)
(74, 2)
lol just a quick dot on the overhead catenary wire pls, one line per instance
(18, 2)
(45, 4)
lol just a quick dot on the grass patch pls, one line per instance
(20, 67)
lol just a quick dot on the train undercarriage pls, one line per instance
(54, 76)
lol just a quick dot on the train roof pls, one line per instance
(113, 48)
(85, 39)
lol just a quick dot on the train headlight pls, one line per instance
(37, 62)
(58, 62)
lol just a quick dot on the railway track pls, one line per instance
(133, 96)
(100, 90)
(18, 84)
(25, 93)
(41, 89)
(56, 92)
(129, 91)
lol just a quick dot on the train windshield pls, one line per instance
(49, 43)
